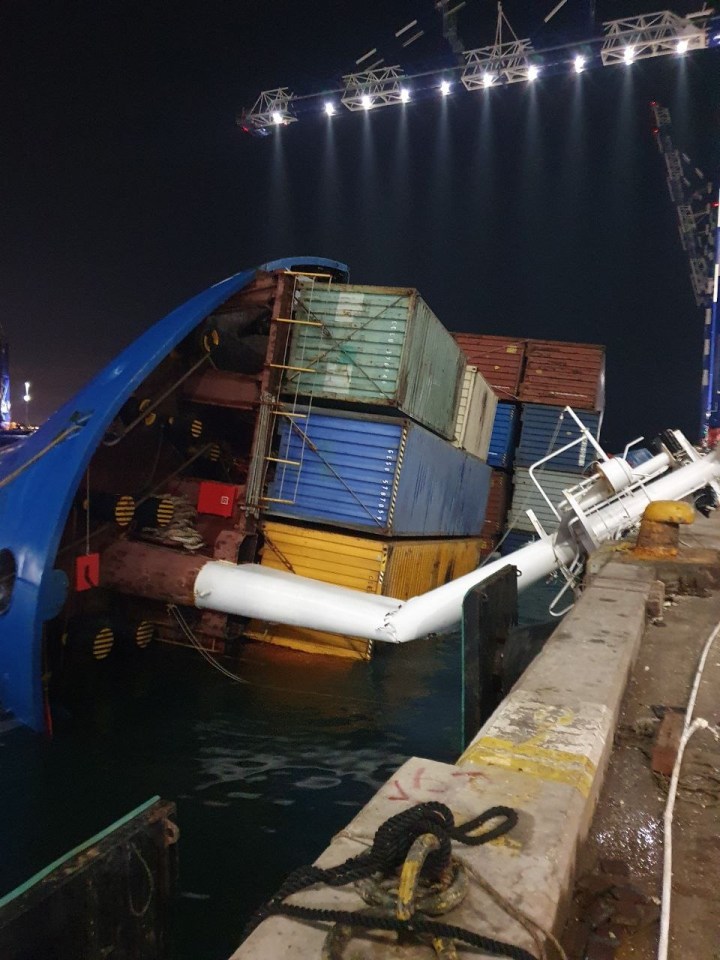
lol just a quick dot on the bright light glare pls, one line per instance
(533, 72)
(404, 96)
(277, 117)
(579, 64)
(366, 102)
(445, 88)
(488, 79)
(682, 46)
(329, 108)
(629, 54)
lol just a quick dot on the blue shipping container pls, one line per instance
(514, 541)
(502, 441)
(388, 476)
(545, 429)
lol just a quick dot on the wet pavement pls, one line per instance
(615, 909)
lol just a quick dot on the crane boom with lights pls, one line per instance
(509, 59)
(697, 203)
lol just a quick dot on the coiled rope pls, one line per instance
(390, 848)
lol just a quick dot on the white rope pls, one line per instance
(689, 728)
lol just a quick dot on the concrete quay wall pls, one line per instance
(544, 752)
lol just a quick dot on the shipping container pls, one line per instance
(564, 374)
(514, 540)
(497, 504)
(375, 346)
(526, 496)
(499, 359)
(546, 428)
(504, 435)
(476, 414)
(393, 568)
(385, 475)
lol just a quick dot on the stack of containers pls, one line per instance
(535, 380)
(556, 375)
(380, 479)
(501, 360)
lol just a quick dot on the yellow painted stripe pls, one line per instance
(545, 763)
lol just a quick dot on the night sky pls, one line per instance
(536, 210)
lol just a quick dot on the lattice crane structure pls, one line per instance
(697, 203)
(510, 59)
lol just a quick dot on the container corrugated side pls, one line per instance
(546, 428)
(378, 347)
(499, 359)
(386, 476)
(501, 452)
(498, 503)
(526, 496)
(395, 568)
(564, 374)
(476, 414)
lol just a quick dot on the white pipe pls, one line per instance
(250, 590)
(441, 608)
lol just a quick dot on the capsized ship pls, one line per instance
(142, 495)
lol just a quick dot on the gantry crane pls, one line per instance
(696, 200)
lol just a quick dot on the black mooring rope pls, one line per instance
(390, 847)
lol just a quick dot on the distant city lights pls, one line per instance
(404, 96)
(579, 63)
(445, 88)
(330, 109)
(682, 46)
(533, 72)
(366, 102)
(488, 79)
(629, 54)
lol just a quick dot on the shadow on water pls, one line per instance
(263, 773)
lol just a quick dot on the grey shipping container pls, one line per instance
(376, 346)
(528, 497)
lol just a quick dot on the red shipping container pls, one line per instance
(216, 498)
(564, 374)
(497, 504)
(499, 360)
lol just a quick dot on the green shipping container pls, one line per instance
(376, 346)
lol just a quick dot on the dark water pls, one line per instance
(263, 773)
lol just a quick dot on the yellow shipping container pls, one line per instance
(394, 568)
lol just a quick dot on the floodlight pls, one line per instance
(404, 96)
(579, 64)
(366, 101)
(682, 46)
(629, 54)
(329, 108)
(488, 79)
(445, 88)
(533, 72)
(277, 117)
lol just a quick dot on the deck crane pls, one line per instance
(696, 202)
(4, 382)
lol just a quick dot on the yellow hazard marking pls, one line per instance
(545, 763)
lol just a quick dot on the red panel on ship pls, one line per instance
(564, 374)
(499, 360)
(217, 498)
(497, 504)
